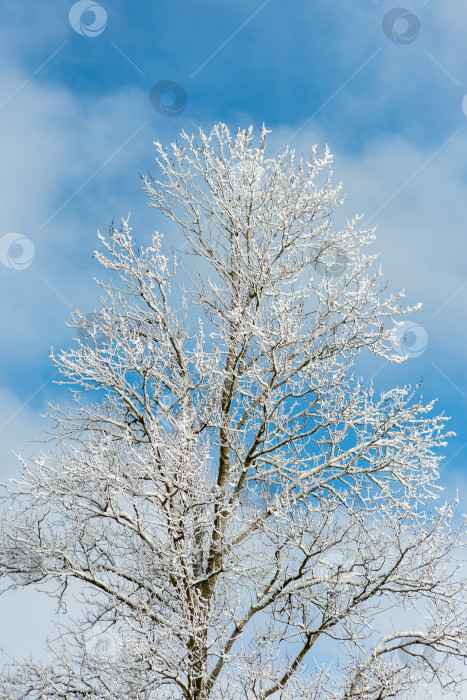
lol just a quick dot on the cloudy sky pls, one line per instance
(385, 87)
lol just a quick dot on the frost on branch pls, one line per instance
(226, 497)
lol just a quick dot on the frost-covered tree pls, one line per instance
(236, 512)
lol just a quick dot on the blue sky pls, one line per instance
(76, 129)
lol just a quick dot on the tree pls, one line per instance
(233, 507)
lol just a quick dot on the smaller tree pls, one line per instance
(233, 503)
